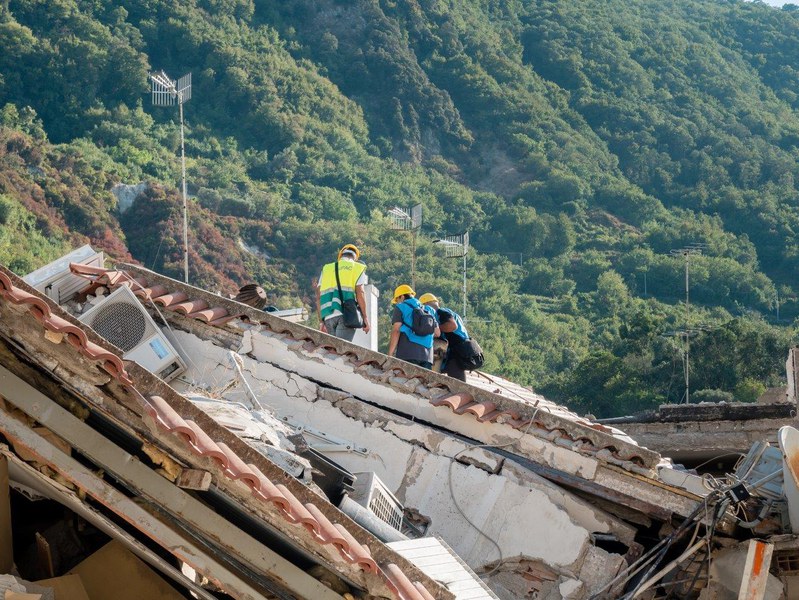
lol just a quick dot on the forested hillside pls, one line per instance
(579, 143)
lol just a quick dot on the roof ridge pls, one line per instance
(537, 420)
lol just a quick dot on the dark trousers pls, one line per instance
(452, 368)
(421, 363)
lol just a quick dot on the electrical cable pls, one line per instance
(455, 500)
(636, 566)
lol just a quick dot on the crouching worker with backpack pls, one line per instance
(413, 328)
(463, 353)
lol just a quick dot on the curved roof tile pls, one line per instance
(235, 468)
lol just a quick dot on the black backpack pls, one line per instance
(422, 322)
(468, 354)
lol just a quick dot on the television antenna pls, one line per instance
(408, 220)
(166, 92)
(457, 246)
(684, 335)
(687, 332)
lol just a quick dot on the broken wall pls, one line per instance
(496, 514)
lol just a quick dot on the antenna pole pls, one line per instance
(687, 336)
(413, 258)
(686, 254)
(463, 316)
(185, 200)
(165, 93)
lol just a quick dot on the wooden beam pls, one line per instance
(6, 540)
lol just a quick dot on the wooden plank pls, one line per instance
(6, 540)
(44, 555)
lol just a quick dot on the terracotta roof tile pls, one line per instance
(326, 530)
(164, 416)
(190, 307)
(423, 591)
(235, 468)
(74, 334)
(168, 300)
(204, 445)
(210, 314)
(402, 584)
(146, 293)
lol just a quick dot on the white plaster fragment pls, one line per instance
(571, 589)
(599, 567)
(583, 513)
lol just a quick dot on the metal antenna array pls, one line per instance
(408, 220)
(165, 93)
(457, 246)
(686, 333)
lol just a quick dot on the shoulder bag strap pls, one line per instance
(338, 283)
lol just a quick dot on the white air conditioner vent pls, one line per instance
(55, 279)
(373, 494)
(122, 320)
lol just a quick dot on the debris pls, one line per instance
(114, 572)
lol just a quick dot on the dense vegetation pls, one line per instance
(578, 143)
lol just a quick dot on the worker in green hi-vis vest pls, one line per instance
(352, 278)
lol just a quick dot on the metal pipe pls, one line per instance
(370, 521)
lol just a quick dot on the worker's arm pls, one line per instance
(394, 338)
(359, 296)
(319, 309)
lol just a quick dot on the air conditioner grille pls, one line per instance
(385, 509)
(120, 323)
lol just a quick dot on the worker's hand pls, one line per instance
(366, 326)
(322, 327)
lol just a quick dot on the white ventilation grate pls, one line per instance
(373, 494)
(385, 509)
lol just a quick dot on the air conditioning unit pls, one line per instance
(56, 281)
(123, 321)
(373, 494)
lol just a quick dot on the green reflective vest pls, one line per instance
(348, 273)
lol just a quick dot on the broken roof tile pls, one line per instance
(236, 469)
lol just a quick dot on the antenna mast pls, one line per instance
(165, 93)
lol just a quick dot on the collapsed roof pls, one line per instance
(534, 498)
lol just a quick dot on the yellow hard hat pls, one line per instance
(351, 248)
(402, 290)
(428, 297)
